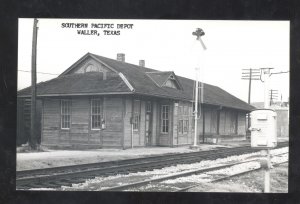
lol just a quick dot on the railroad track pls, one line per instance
(229, 176)
(68, 175)
(156, 181)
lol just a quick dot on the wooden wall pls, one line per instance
(24, 120)
(221, 122)
(241, 130)
(199, 125)
(139, 136)
(117, 112)
(113, 114)
(175, 136)
(51, 122)
(80, 132)
(126, 122)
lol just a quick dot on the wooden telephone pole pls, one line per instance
(273, 96)
(33, 137)
(250, 74)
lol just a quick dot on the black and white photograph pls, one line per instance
(153, 105)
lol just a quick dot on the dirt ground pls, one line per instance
(251, 182)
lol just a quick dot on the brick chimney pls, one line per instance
(142, 63)
(121, 57)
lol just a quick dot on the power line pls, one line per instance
(280, 72)
(38, 72)
(250, 74)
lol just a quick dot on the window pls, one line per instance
(136, 114)
(183, 119)
(165, 118)
(171, 83)
(96, 113)
(65, 114)
(149, 107)
(91, 68)
(183, 126)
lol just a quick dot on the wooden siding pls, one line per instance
(80, 132)
(127, 124)
(51, 117)
(175, 124)
(207, 115)
(117, 112)
(136, 133)
(113, 133)
(24, 120)
(241, 123)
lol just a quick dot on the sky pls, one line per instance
(166, 45)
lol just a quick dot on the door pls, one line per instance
(148, 124)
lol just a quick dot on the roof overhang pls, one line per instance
(77, 94)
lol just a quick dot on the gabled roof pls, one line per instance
(144, 81)
(160, 78)
(79, 84)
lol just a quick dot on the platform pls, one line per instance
(53, 158)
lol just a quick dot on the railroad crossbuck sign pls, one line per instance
(263, 129)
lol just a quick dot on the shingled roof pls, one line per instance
(139, 79)
(78, 84)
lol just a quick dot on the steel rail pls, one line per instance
(124, 166)
(82, 167)
(181, 174)
(229, 176)
(136, 166)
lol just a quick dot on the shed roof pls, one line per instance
(139, 78)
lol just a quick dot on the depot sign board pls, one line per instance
(263, 129)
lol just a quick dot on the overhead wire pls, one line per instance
(38, 72)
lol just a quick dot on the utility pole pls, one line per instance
(250, 74)
(267, 74)
(273, 95)
(199, 32)
(33, 138)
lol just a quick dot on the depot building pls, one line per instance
(105, 103)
